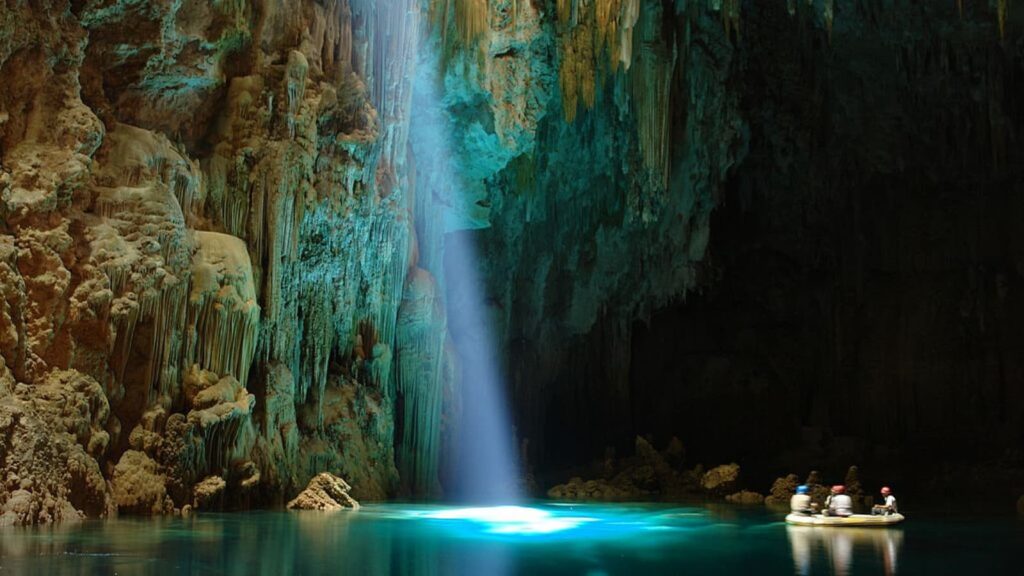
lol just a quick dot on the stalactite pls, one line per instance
(651, 82)
(1002, 10)
(219, 426)
(471, 19)
(828, 14)
(731, 18)
(420, 347)
(223, 317)
(566, 10)
(295, 86)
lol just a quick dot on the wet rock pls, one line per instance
(644, 475)
(50, 437)
(325, 492)
(207, 495)
(597, 490)
(818, 491)
(782, 490)
(721, 480)
(139, 487)
(746, 498)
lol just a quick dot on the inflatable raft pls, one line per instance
(855, 520)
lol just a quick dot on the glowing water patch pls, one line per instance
(510, 519)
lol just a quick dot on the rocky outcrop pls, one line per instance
(721, 480)
(139, 487)
(52, 440)
(208, 493)
(745, 498)
(647, 475)
(200, 214)
(220, 216)
(326, 492)
(782, 490)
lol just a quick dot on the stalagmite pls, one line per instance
(223, 316)
(295, 88)
(220, 428)
(420, 348)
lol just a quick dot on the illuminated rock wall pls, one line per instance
(223, 237)
(204, 237)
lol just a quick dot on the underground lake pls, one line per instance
(584, 539)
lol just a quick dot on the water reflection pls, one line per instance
(414, 540)
(836, 548)
(544, 540)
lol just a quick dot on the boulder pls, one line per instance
(782, 490)
(746, 498)
(325, 492)
(207, 494)
(139, 487)
(721, 480)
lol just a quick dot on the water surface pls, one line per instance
(589, 540)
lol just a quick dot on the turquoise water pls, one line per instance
(588, 540)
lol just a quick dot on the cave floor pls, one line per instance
(542, 539)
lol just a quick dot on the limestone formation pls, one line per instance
(782, 490)
(721, 480)
(645, 475)
(225, 243)
(746, 498)
(138, 486)
(326, 492)
(208, 493)
(197, 201)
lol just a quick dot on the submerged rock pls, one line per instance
(325, 492)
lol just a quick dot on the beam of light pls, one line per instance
(486, 467)
(451, 203)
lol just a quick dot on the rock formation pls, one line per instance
(721, 480)
(224, 241)
(200, 207)
(326, 492)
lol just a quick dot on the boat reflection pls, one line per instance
(836, 549)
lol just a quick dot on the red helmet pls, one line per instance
(886, 491)
(838, 489)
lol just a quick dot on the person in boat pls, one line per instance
(800, 503)
(888, 505)
(839, 502)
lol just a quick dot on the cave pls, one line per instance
(517, 286)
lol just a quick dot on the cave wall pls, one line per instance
(205, 237)
(225, 244)
(864, 302)
(817, 267)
